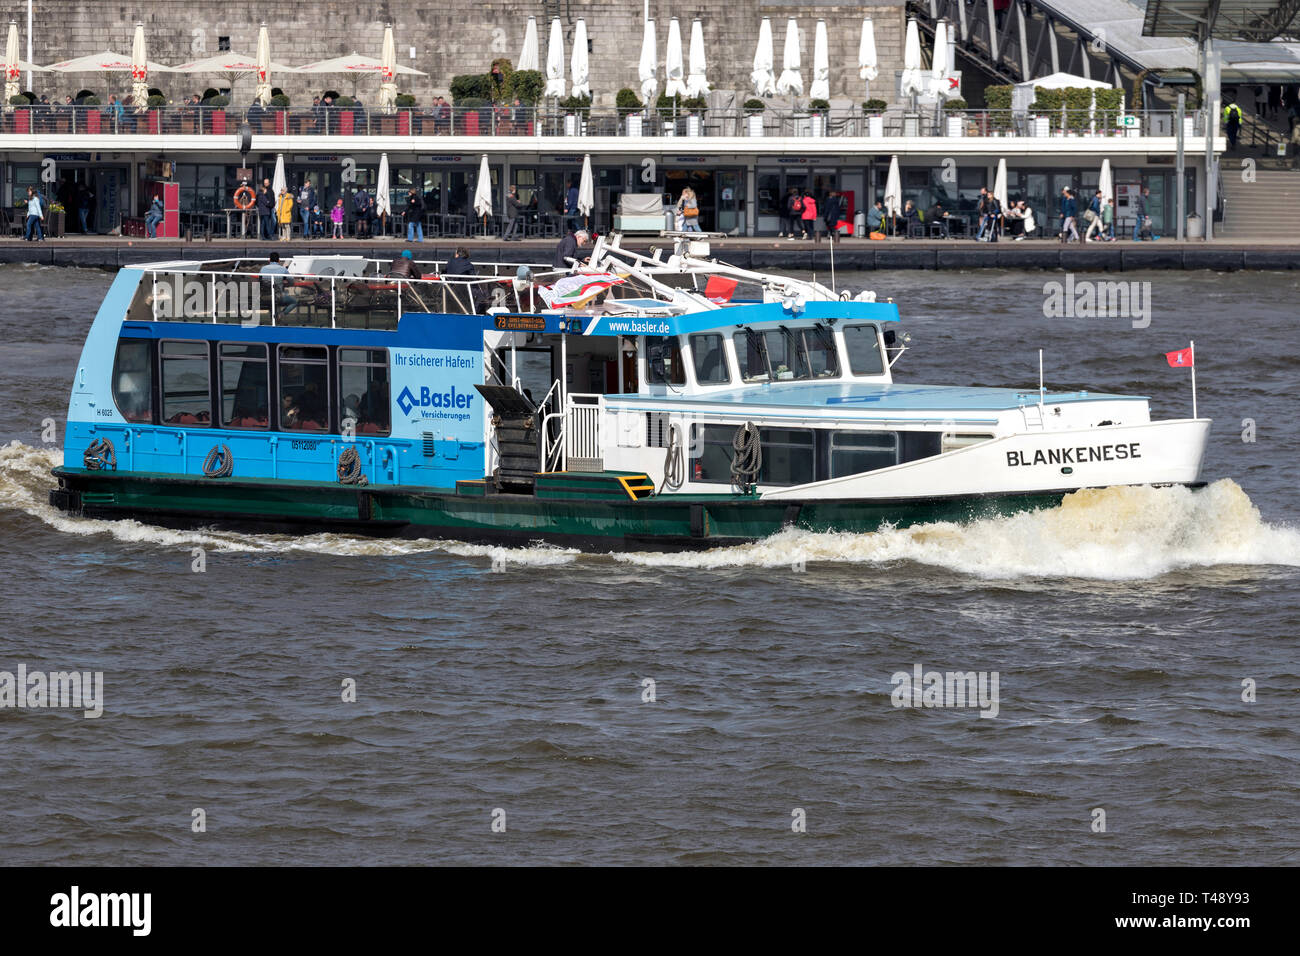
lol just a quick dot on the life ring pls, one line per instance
(249, 197)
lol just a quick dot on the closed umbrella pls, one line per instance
(279, 182)
(1106, 183)
(528, 58)
(790, 82)
(383, 199)
(764, 77)
(913, 79)
(648, 69)
(263, 92)
(868, 67)
(821, 83)
(388, 73)
(893, 189)
(1000, 183)
(586, 190)
(939, 65)
(139, 70)
(555, 60)
(674, 69)
(697, 84)
(13, 70)
(483, 191)
(578, 61)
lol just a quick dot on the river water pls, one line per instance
(1125, 629)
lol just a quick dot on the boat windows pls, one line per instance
(751, 354)
(304, 388)
(245, 395)
(788, 455)
(710, 359)
(186, 390)
(133, 380)
(855, 452)
(820, 353)
(363, 390)
(664, 360)
(862, 343)
(785, 355)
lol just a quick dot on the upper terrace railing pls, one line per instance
(336, 122)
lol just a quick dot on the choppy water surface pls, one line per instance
(1121, 625)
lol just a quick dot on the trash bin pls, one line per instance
(1195, 229)
(670, 220)
(860, 224)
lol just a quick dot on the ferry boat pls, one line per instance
(684, 403)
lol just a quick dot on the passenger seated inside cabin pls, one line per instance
(311, 409)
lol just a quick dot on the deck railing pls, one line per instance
(523, 121)
(371, 299)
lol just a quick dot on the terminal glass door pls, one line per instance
(731, 202)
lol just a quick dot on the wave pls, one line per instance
(1115, 534)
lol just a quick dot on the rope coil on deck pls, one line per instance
(350, 468)
(674, 466)
(748, 458)
(219, 463)
(99, 455)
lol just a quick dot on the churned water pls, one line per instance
(1125, 628)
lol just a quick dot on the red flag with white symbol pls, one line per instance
(1183, 358)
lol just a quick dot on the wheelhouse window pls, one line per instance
(710, 359)
(363, 390)
(664, 360)
(786, 354)
(304, 388)
(855, 452)
(789, 455)
(186, 389)
(245, 395)
(133, 380)
(862, 342)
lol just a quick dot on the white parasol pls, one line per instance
(790, 82)
(1106, 183)
(586, 188)
(279, 182)
(263, 92)
(528, 58)
(868, 67)
(1000, 183)
(697, 83)
(483, 191)
(231, 65)
(139, 70)
(939, 65)
(388, 75)
(913, 79)
(356, 66)
(648, 70)
(674, 69)
(578, 60)
(383, 199)
(105, 62)
(555, 60)
(893, 189)
(821, 83)
(763, 77)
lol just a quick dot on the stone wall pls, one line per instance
(448, 38)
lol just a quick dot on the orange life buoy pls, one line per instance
(248, 197)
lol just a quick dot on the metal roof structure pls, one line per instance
(1252, 21)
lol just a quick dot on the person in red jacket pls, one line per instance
(809, 216)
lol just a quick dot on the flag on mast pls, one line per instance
(1182, 358)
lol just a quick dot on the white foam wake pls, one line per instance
(1105, 534)
(25, 484)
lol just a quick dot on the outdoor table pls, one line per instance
(453, 224)
(243, 222)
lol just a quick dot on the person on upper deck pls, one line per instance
(404, 267)
(460, 264)
(568, 248)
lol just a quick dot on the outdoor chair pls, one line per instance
(12, 223)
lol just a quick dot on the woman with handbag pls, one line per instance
(688, 207)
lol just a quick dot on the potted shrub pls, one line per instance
(695, 108)
(1109, 105)
(22, 113)
(153, 104)
(89, 114)
(347, 118)
(875, 113)
(576, 109)
(818, 108)
(54, 222)
(405, 103)
(997, 99)
(527, 86)
(629, 107)
(279, 105)
(214, 116)
(476, 114)
(1077, 103)
(955, 124)
(1047, 105)
(754, 109)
